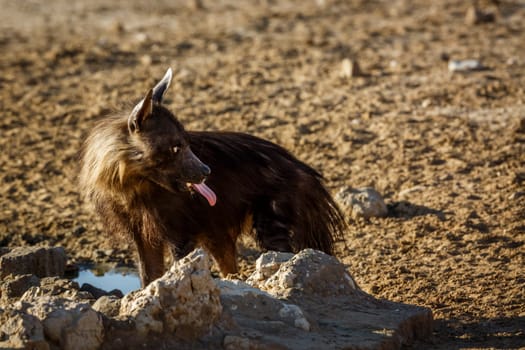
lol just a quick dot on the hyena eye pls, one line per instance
(137, 156)
(175, 149)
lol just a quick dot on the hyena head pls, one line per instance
(161, 148)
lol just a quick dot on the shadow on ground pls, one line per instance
(407, 210)
(488, 333)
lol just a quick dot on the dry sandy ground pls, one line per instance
(446, 150)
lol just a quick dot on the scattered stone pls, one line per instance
(458, 66)
(445, 177)
(15, 286)
(361, 202)
(196, 5)
(109, 305)
(393, 64)
(39, 261)
(54, 286)
(426, 103)
(79, 230)
(517, 195)
(341, 314)
(185, 301)
(248, 304)
(141, 37)
(116, 293)
(518, 129)
(307, 300)
(407, 192)
(518, 177)
(444, 56)
(69, 324)
(4, 250)
(117, 27)
(266, 265)
(475, 16)
(19, 330)
(233, 342)
(146, 60)
(309, 273)
(97, 292)
(253, 341)
(349, 68)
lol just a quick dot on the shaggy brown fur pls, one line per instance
(145, 176)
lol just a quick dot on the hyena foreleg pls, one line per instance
(151, 259)
(135, 225)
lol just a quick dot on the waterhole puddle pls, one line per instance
(124, 279)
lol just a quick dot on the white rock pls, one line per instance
(21, 331)
(310, 272)
(464, 65)
(253, 303)
(267, 264)
(237, 288)
(294, 312)
(361, 202)
(185, 300)
(70, 324)
(349, 68)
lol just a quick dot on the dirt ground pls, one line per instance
(447, 150)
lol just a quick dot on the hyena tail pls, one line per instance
(319, 218)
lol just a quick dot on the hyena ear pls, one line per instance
(140, 113)
(162, 86)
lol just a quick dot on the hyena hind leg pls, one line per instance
(223, 249)
(272, 221)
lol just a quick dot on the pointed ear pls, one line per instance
(140, 113)
(162, 86)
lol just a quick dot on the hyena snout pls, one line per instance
(204, 170)
(195, 170)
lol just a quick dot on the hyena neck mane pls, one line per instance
(108, 168)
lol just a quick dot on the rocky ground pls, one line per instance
(294, 302)
(446, 149)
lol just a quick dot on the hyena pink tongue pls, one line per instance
(206, 192)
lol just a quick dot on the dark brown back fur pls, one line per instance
(260, 178)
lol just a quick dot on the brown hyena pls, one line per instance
(163, 186)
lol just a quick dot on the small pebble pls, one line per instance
(517, 195)
(196, 5)
(426, 103)
(476, 16)
(146, 60)
(141, 37)
(393, 64)
(349, 68)
(79, 230)
(464, 65)
(117, 27)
